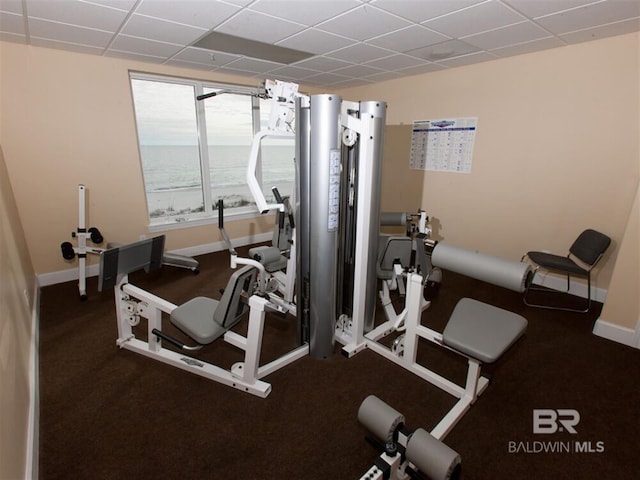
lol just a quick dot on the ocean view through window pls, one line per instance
(194, 153)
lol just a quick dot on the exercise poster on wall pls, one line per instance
(444, 145)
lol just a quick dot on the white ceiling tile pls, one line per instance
(70, 47)
(360, 53)
(590, 16)
(14, 37)
(448, 49)
(617, 28)
(420, 69)
(125, 43)
(191, 65)
(352, 82)
(292, 72)
(11, 23)
(120, 4)
(421, 10)
(155, 29)
(11, 6)
(308, 12)
(475, 19)
(134, 56)
(326, 78)
(363, 23)
(468, 59)
(357, 71)
(73, 12)
(529, 47)
(383, 76)
(511, 35)
(408, 38)
(538, 8)
(68, 33)
(315, 41)
(322, 64)
(259, 27)
(198, 13)
(396, 62)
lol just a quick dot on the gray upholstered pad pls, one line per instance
(482, 331)
(195, 318)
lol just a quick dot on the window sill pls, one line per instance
(168, 225)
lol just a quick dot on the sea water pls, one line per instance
(173, 180)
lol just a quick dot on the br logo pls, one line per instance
(552, 421)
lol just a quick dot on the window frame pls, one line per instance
(209, 215)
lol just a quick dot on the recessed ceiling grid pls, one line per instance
(340, 42)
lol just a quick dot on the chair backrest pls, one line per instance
(590, 246)
(231, 308)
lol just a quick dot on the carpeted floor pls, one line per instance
(107, 413)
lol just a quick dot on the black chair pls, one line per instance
(587, 249)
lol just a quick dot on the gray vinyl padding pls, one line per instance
(195, 318)
(482, 331)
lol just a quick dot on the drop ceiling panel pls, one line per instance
(315, 41)
(612, 29)
(310, 13)
(590, 16)
(62, 32)
(198, 13)
(126, 43)
(360, 53)
(11, 6)
(539, 8)
(408, 38)
(475, 19)
(528, 47)
(87, 15)
(419, 11)
(12, 23)
(364, 22)
(511, 35)
(155, 29)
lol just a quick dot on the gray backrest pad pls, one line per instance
(231, 308)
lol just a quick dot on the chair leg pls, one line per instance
(549, 291)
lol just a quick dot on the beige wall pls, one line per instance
(69, 120)
(17, 282)
(556, 147)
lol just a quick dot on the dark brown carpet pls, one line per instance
(107, 413)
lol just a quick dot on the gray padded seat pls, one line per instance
(392, 248)
(205, 319)
(270, 257)
(482, 331)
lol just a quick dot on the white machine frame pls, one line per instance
(355, 340)
(82, 249)
(133, 303)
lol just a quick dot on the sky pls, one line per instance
(166, 115)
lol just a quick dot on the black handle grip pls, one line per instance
(169, 339)
(276, 194)
(206, 95)
(220, 214)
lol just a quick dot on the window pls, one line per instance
(194, 153)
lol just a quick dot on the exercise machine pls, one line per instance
(404, 453)
(204, 320)
(83, 235)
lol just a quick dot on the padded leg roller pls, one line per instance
(380, 419)
(432, 457)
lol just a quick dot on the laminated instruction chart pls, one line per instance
(444, 145)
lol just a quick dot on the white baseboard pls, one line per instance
(578, 288)
(617, 333)
(33, 427)
(68, 275)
